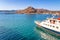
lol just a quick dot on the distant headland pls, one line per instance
(31, 10)
(7, 11)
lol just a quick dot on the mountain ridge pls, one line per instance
(31, 10)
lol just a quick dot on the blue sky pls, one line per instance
(21, 4)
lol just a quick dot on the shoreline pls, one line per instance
(41, 13)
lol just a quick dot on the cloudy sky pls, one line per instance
(21, 4)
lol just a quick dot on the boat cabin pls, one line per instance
(53, 21)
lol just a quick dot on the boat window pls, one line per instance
(50, 25)
(52, 21)
(59, 21)
(57, 27)
(53, 26)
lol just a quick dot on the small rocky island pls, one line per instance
(31, 10)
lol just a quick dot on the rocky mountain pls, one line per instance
(31, 10)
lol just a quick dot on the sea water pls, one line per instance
(22, 27)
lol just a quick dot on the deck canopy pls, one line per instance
(58, 18)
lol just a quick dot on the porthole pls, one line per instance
(57, 27)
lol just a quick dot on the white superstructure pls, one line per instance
(50, 23)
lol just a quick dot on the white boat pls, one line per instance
(51, 24)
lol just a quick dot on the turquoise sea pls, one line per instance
(22, 27)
